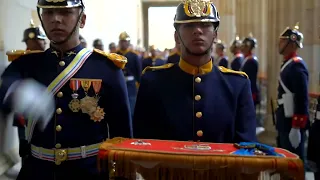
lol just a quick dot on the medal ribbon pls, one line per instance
(86, 84)
(97, 86)
(74, 85)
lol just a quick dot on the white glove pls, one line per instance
(295, 137)
(32, 99)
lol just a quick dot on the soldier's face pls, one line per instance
(197, 37)
(59, 23)
(124, 44)
(283, 44)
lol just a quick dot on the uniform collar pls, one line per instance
(247, 55)
(290, 56)
(194, 70)
(124, 52)
(70, 53)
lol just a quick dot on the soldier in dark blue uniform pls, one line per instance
(195, 100)
(73, 98)
(112, 47)
(235, 49)
(83, 41)
(314, 144)
(132, 70)
(98, 44)
(153, 59)
(34, 38)
(250, 66)
(292, 113)
(222, 59)
(174, 56)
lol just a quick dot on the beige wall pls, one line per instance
(107, 20)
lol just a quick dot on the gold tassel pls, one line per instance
(190, 167)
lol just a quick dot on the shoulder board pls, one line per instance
(226, 70)
(15, 54)
(153, 68)
(296, 59)
(135, 52)
(118, 60)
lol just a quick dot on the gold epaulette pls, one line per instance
(15, 54)
(226, 70)
(118, 60)
(172, 53)
(165, 66)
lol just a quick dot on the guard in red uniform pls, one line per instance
(292, 113)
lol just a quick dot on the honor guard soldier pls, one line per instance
(83, 41)
(132, 70)
(112, 47)
(98, 44)
(235, 49)
(195, 100)
(250, 66)
(73, 99)
(34, 38)
(153, 59)
(174, 56)
(292, 113)
(314, 144)
(222, 59)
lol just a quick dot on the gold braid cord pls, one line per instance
(121, 161)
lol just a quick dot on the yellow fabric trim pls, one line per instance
(226, 70)
(69, 150)
(165, 66)
(194, 70)
(15, 54)
(117, 59)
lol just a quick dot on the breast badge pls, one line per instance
(88, 104)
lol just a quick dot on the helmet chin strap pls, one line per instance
(196, 54)
(72, 32)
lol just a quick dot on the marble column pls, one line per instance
(227, 30)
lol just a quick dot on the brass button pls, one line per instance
(199, 114)
(198, 80)
(58, 146)
(60, 94)
(59, 111)
(58, 128)
(197, 97)
(199, 133)
(62, 63)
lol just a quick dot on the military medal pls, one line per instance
(97, 115)
(74, 104)
(97, 87)
(87, 104)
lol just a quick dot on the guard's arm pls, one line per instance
(117, 104)
(300, 90)
(9, 80)
(145, 121)
(245, 123)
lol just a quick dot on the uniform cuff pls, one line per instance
(299, 121)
